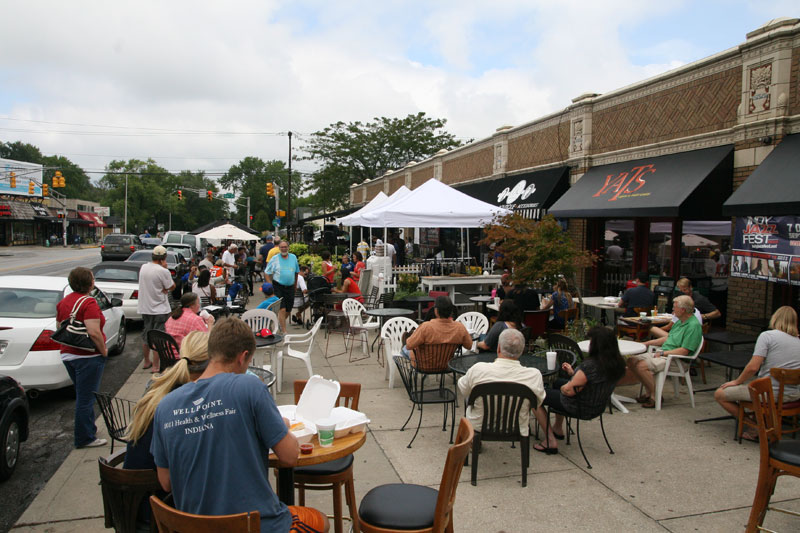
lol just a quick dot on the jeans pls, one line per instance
(85, 373)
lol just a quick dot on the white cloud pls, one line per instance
(271, 66)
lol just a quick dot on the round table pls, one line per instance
(460, 365)
(263, 342)
(419, 300)
(656, 321)
(387, 312)
(483, 300)
(626, 348)
(266, 376)
(341, 447)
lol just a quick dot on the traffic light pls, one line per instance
(13, 176)
(251, 218)
(45, 192)
(209, 195)
(270, 189)
(281, 213)
(58, 180)
(31, 188)
(180, 194)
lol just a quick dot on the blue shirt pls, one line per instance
(269, 301)
(214, 437)
(264, 250)
(283, 270)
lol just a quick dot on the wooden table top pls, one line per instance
(341, 447)
(658, 320)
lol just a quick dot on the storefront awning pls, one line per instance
(21, 211)
(97, 220)
(529, 194)
(688, 185)
(76, 217)
(772, 187)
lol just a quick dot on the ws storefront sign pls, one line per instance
(767, 248)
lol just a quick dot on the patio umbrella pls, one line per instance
(228, 232)
(690, 239)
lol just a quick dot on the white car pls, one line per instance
(28, 318)
(120, 279)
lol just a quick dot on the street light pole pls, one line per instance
(126, 204)
(289, 187)
(248, 211)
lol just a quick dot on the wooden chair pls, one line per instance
(784, 376)
(502, 403)
(117, 414)
(386, 508)
(124, 493)
(165, 346)
(778, 457)
(333, 475)
(170, 520)
(637, 331)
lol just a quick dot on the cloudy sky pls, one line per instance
(200, 84)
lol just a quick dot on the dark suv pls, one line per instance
(13, 424)
(119, 246)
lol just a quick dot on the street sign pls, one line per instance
(228, 195)
(276, 222)
(201, 194)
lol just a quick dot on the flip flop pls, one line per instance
(155, 371)
(642, 399)
(543, 449)
(557, 436)
(649, 404)
(148, 365)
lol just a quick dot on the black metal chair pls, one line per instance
(431, 360)
(557, 341)
(126, 494)
(502, 402)
(166, 347)
(592, 401)
(117, 414)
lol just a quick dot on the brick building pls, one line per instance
(710, 124)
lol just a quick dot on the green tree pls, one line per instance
(353, 152)
(20, 151)
(76, 182)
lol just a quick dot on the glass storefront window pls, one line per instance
(659, 252)
(617, 264)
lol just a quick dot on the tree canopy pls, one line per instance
(353, 152)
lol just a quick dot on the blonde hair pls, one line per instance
(785, 320)
(194, 352)
(684, 282)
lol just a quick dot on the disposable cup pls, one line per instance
(551, 360)
(653, 312)
(326, 429)
(642, 315)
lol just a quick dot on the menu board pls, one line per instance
(767, 248)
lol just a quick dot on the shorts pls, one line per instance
(286, 292)
(307, 520)
(740, 393)
(654, 364)
(152, 322)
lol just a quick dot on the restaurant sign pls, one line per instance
(767, 248)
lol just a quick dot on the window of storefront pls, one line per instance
(23, 233)
(617, 264)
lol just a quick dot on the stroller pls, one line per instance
(318, 287)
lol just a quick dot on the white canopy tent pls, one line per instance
(351, 219)
(357, 218)
(227, 231)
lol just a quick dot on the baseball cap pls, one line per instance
(269, 237)
(159, 251)
(266, 287)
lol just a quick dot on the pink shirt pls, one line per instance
(187, 323)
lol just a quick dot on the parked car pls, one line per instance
(120, 279)
(13, 424)
(119, 246)
(28, 318)
(183, 249)
(148, 243)
(181, 237)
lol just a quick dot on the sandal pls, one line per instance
(543, 449)
(649, 404)
(557, 436)
(642, 399)
(148, 365)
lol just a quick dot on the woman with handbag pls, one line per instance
(84, 365)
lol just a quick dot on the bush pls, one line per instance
(407, 283)
(313, 261)
(298, 249)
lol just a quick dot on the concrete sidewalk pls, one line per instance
(667, 473)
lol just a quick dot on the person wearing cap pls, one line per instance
(155, 284)
(638, 296)
(269, 294)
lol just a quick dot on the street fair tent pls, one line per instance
(352, 218)
(228, 232)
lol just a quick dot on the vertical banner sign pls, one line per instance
(767, 248)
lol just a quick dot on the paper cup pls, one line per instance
(653, 312)
(325, 430)
(551, 360)
(642, 315)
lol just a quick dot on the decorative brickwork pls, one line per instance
(421, 176)
(539, 147)
(396, 183)
(467, 167)
(746, 298)
(741, 174)
(577, 233)
(373, 189)
(794, 83)
(700, 106)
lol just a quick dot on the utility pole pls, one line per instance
(248, 211)
(126, 204)
(289, 186)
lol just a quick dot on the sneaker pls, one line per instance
(95, 443)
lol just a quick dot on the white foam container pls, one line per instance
(348, 421)
(316, 403)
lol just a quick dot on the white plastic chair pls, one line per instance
(392, 335)
(476, 323)
(682, 365)
(354, 311)
(293, 347)
(275, 306)
(259, 319)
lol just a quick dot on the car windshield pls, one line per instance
(116, 239)
(116, 274)
(174, 238)
(145, 256)
(28, 303)
(185, 252)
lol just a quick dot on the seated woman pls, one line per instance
(348, 286)
(185, 319)
(604, 366)
(778, 347)
(559, 301)
(507, 317)
(204, 288)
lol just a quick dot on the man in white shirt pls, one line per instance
(506, 367)
(229, 261)
(155, 284)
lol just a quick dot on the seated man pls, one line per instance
(506, 367)
(269, 294)
(211, 438)
(441, 330)
(683, 339)
(638, 296)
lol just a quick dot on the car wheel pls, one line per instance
(121, 338)
(9, 452)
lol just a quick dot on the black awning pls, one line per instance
(333, 214)
(689, 185)
(529, 194)
(772, 188)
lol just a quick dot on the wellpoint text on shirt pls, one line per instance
(197, 419)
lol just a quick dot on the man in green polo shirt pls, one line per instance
(684, 338)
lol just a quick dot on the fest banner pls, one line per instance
(767, 248)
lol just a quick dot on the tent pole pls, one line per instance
(468, 256)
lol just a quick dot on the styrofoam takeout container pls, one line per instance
(348, 421)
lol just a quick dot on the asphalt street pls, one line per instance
(51, 424)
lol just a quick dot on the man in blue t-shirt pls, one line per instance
(282, 271)
(264, 250)
(211, 438)
(638, 296)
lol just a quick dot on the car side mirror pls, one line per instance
(116, 302)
